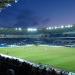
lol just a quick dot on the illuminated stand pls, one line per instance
(33, 64)
(59, 27)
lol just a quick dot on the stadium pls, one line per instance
(37, 37)
(38, 51)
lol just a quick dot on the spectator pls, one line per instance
(10, 72)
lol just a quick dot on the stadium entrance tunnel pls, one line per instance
(15, 66)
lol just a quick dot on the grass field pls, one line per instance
(58, 57)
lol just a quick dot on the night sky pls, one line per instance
(38, 13)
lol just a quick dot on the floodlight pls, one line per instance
(49, 28)
(69, 26)
(31, 29)
(55, 27)
(19, 29)
(62, 26)
(66, 26)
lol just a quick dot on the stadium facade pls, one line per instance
(63, 35)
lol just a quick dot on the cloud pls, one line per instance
(27, 18)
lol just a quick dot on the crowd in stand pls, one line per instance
(13, 66)
(5, 42)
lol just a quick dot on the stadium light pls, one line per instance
(62, 26)
(31, 29)
(55, 27)
(66, 26)
(69, 26)
(19, 29)
(49, 28)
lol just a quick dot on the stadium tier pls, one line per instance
(15, 66)
(63, 35)
(53, 37)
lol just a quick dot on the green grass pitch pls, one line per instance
(58, 57)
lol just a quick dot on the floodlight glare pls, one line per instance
(31, 29)
(19, 29)
(49, 28)
(66, 26)
(69, 26)
(62, 26)
(55, 27)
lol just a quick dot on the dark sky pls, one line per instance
(38, 13)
